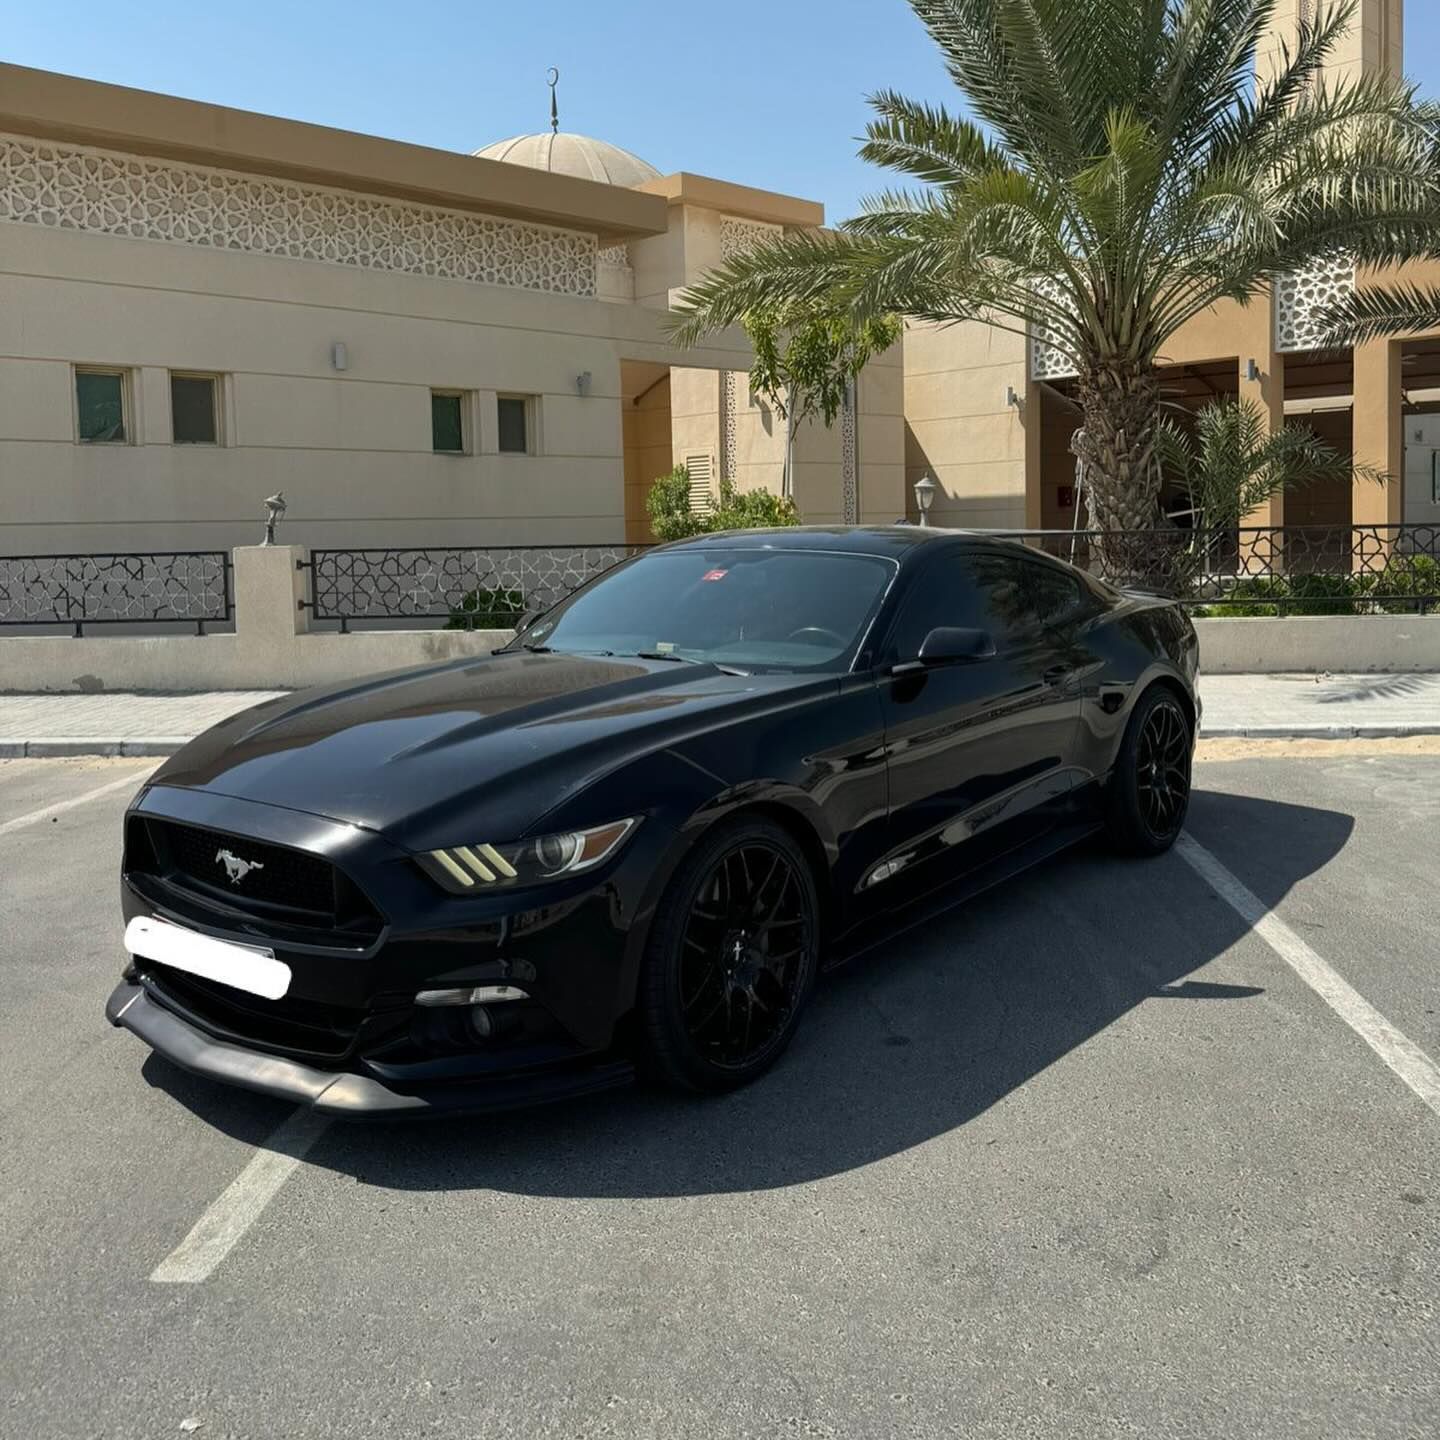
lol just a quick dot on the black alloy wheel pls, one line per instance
(1163, 773)
(732, 958)
(1149, 790)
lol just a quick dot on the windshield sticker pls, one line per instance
(664, 647)
(714, 574)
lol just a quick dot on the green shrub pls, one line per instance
(485, 609)
(1417, 575)
(1323, 594)
(672, 519)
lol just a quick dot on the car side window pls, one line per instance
(1024, 595)
(1007, 595)
(946, 592)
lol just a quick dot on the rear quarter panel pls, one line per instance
(1132, 646)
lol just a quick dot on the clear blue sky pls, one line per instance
(773, 96)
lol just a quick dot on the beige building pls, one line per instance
(989, 414)
(202, 306)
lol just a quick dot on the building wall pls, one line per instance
(647, 435)
(959, 427)
(352, 449)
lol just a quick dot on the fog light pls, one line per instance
(472, 995)
(481, 1024)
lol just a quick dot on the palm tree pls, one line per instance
(1232, 464)
(1123, 172)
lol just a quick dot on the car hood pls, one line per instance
(412, 753)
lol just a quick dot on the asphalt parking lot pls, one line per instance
(1095, 1156)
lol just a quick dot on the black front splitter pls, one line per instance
(339, 1092)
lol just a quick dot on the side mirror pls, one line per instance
(950, 644)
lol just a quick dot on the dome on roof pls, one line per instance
(565, 154)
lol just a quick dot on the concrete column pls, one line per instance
(1032, 422)
(269, 586)
(1379, 433)
(1267, 392)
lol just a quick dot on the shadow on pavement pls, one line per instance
(1379, 687)
(898, 1048)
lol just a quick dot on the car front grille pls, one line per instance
(289, 1025)
(278, 877)
(234, 875)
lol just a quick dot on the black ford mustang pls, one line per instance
(633, 836)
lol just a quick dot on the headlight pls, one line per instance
(466, 869)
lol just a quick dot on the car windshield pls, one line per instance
(755, 609)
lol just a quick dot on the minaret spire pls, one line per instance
(553, 80)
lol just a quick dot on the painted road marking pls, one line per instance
(223, 1225)
(61, 806)
(1397, 1050)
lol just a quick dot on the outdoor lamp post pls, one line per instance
(924, 497)
(274, 513)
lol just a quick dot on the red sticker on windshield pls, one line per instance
(714, 574)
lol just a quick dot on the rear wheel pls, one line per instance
(732, 959)
(1149, 791)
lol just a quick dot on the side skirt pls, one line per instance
(885, 928)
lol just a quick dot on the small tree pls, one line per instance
(671, 517)
(805, 361)
(1230, 467)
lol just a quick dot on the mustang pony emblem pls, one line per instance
(236, 869)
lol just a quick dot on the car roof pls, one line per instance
(895, 542)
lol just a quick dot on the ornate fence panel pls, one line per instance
(157, 588)
(479, 589)
(1265, 569)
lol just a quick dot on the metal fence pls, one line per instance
(190, 587)
(1265, 569)
(480, 589)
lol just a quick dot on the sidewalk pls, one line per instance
(1278, 707)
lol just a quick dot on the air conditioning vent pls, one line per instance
(700, 467)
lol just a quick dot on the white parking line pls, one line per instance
(61, 806)
(224, 1224)
(1397, 1050)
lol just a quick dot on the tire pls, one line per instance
(722, 987)
(1148, 795)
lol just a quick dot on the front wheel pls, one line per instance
(732, 959)
(1149, 791)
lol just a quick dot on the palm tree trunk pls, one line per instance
(1121, 410)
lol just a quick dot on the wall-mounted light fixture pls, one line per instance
(582, 383)
(339, 356)
(1014, 398)
(1252, 370)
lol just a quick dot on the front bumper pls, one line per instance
(341, 1093)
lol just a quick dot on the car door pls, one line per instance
(979, 751)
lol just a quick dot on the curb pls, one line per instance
(71, 747)
(1397, 731)
(160, 745)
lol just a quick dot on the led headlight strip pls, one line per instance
(468, 868)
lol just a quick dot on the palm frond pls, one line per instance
(926, 142)
(1379, 312)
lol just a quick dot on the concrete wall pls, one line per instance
(273, 649)
(1310, 644)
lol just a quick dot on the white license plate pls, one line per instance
(246, 967)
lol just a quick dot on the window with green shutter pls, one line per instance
(447, 422)
(100, 405)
